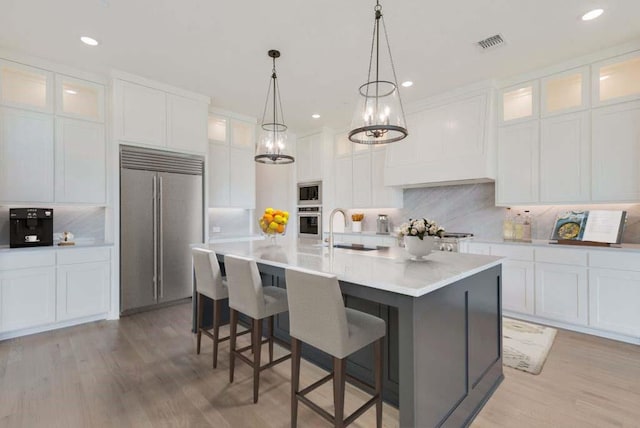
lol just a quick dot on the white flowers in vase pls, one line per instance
(421, 227)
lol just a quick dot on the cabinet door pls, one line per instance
(362, 180)
(561, 293)
(565, 92)
(27, 298)
(565, 138)
(519, 103)
(242, 178)
(26, 156)
(382, 196)
(517, 286)
(243, 135)
(463, 128)
(517, 180)
(142, 114)
(316, 157)
(613, 301)
(343, 182)
(80, 162)
(187, 128)
(616, 153)
(26, 87)
(79, 99)
(616, 80)
(218, 175)
(303, 159)
(82, 290)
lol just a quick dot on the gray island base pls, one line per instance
(443, 349)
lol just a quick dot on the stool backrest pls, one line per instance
(316, 310)
(245, 285)
(208, 274)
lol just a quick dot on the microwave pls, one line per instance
(310, 193)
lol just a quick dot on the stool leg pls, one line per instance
(271, 339)
(257, 345)
(377, 349)
(199, 321)
(217, 307)
(339, 378)
(295, 380)
(233, 324)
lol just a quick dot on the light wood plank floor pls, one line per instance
(142, 371)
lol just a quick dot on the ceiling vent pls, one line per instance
(491, 42)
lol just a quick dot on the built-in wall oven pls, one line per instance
(310, 222)
(310, 193)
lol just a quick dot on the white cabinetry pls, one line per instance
(343, 176)
(518, 286)
(518, 163)
(565, 92)
(156, 116)
(231, 167)
(80, 162)
(362, 174)
(79, 99)
(26, 87)
(26, 156)
(27, 298)
(562, 138)
(614, 297)
(309, 155)
(562, 293)
(616, 80)
(616, 153)
(83, 279)
(448, 143)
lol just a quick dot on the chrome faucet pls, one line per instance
(336, 210)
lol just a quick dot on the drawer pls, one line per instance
(70, 256)
(615, 260)
(562, 256)
(476, 248)
(22, 259)
(513, 252)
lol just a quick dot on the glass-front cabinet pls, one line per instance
(26, 87)
(616, 79)
(217, 129)
(79, 99)
(565, 92)
(520, 102)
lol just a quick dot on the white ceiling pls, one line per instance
(219, 48)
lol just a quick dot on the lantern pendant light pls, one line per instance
(272, 144)
(379, 116)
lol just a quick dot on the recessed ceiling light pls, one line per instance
(407, 84)
(89, 41)
(315, 116)
(605, 77)
(70, 91)
(592, 14)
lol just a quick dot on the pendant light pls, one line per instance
(379, 116)
(272, 144)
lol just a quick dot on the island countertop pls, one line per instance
(389, 269)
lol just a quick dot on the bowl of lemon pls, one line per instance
(273, 222)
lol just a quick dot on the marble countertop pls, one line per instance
(223, 238)
(547, 244)
(389, 269)
(79, 244)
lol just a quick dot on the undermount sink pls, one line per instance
(357, 247)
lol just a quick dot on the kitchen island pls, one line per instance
(443, 352)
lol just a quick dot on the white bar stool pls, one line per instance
(318, 317)
(209, 282)
(247, 295)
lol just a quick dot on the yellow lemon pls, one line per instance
(285, 213)
(273, 225)
(285, 220)
(278, 219)
(269, 211)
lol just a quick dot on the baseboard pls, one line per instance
(48, 327)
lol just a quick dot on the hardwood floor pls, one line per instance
(142, 371)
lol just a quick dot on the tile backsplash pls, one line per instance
(471, 208)
(86, 223)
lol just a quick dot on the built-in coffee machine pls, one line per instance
(30, 227)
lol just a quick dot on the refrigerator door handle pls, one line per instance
(155, 239)
(161, 244)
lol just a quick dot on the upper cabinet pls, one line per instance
(616, 80)
(156, 116)
(309, 156)
(449, 142)
(79, 99)
(231, 166)
(565, 92)
(518, 103)
(26, 87)
(518, 173)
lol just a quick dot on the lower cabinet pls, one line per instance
(614, 297)
(562, 293)
(82, 290)
(27, 298)
(518, 286)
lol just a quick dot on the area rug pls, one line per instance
(525, 346)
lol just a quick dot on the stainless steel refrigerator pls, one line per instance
(161, 213)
